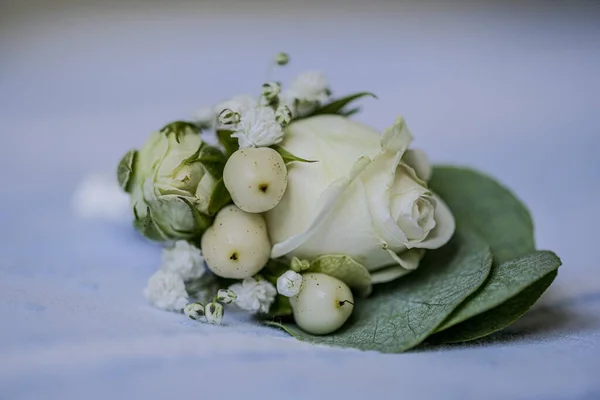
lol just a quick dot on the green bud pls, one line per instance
(283, 115)
(170, 181)
(226, 296)
(282, 59)
(214, 313)
(229, 117)
(298, 265)
(270, 91)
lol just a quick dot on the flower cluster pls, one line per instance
(299, 205)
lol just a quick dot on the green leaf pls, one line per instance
(345, 269)
(219, 198)
(401, 314)
(505, 281)
(230, 144)
(289, 157)
(336, 106)
(281, 307)
(497, 318)
(125, 169)
(480, 203)
(201, 221)
(213, 160)
(350, 112)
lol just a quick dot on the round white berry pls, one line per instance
(256, 178)
(323, 304)
(236, 245)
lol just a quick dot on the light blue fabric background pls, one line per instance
(510, 89)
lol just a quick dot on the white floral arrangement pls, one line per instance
(325, 227)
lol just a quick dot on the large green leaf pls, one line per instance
(482, 204)
(497, 318)
(401, 314)
(230, 144)
(505, 281)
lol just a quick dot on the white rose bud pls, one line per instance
(214, 313)
(236, 246)
(256, 178)
(270, 91)
(323, 304)
(289, 283)
(226, 296)
(229, 117)
(194, 310)
(283, 115)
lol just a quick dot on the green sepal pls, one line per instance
(289, 157)
(201, 221)
(230, 144)
(211, 158)
(219, 198)
(336, 106)
(178, 128)
(125, 169)
(147, 227)
(347, 270)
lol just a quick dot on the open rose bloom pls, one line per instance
(365, 197)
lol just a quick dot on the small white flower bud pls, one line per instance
(282, 58)
(229, 117)
(298, 265)
(214, 313)
(194, 310)
(283, 115)
(271, 90)
(289, 283)
(226, 296)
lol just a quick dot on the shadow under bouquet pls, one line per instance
(282, 205)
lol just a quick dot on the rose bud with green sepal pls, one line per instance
(170, 181)
(323, 304)
(256, 178)
(236, 246)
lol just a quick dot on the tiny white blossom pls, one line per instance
(166, 290)
(226, 296)
(258, 128)
(204, 117)
(238, 104)
(194, 311)
(283, 115)
(99, 196)
(214, 313)
(183, 259)
(289, 283)
(253, 295)
(306, 92)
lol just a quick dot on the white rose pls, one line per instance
(366, 197)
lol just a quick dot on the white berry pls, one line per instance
(323, 304)
(236, 245)
(256, 178)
